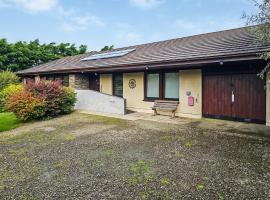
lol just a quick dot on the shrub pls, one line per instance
(43, 99)
(53, 94)
(7, 78)
(68, 101)
(58, 99)
(8, 91)
(25, 105)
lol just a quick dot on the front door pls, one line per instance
(94, 82)
(236, 96)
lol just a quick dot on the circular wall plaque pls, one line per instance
(132, 83)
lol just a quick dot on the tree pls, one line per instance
(7, 78)
(107, 48)
(23, 55)
(262, 31)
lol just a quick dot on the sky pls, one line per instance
(97, 23)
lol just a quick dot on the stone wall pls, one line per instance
(37, 78)
(79, 81)
(72, 80)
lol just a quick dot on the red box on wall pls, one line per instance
(190, 101)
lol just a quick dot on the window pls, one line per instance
(111, 54)
(172, 85)
(118, 85)
(152, 85)
(162, 85)
(63, 78)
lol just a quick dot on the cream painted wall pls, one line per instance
(268, 98)
(190, 80)
(106, 84)
(134, 97)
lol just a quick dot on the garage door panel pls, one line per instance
(238, 96)
(216, 96)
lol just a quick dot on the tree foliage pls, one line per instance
(23, 55)
(107, 48)
(262, 32)
(7, 78)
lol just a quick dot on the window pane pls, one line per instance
(153, 85)
(50, 78)
(172, 85)
(118, 85)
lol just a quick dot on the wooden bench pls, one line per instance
(163, 105)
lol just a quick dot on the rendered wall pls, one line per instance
(190, 81)
(90, 100)
(268, 98)
(135, 96)
(106, 84)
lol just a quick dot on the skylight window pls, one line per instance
(109, 54)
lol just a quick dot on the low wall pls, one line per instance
(90, 100)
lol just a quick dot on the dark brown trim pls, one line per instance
(113, 88)
(161, 85)
(54, 77)
(179, 64)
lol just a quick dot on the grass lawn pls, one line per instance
(81, 156)
(8, 121)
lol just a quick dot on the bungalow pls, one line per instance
(211, 75)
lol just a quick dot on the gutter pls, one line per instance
(186, 64)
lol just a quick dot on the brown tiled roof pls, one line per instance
(217, 45)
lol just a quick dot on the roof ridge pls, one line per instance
(190, 36)
(234, 41)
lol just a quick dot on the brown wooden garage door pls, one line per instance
(237, 96)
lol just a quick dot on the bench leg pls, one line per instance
(173, 114)
(155, 112)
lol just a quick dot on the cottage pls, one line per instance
(211, 75)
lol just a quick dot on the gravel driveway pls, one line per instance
(82, 156)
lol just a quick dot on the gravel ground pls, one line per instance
(83, 156)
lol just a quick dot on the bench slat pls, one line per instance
(166, 103)
(164, 106)
(161, 101)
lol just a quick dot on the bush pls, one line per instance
(44, 99)
(53, 94)
(58, 99)
(68, 101)
(25, 105)
(7, 78)
(8, 91)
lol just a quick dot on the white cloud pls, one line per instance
(80, 23)
(146, 4)
(86, 20)
(31, 5)
(128, 37)
(187, 27)
(70, 19)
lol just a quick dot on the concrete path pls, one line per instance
(250, 129)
